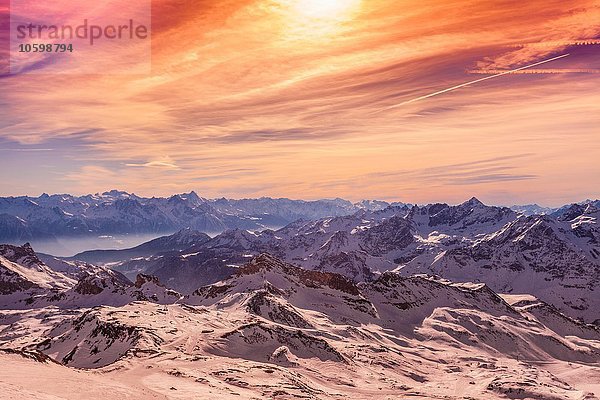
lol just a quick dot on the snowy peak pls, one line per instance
(143, 279)
(235, 238)
(24, 255)
(96, 283)
(266, 265)
(187, 236)
(418, 296)
(107, 287)
(15, 280)
(391, 234)
(34, 284)
(553, 260)
(150, 288)
(190, 199)
(21, 269)
(111, 194)
(336, 243)
(281, 287)
(472, 202)
(573, 211)
(576, 211)
(532, 209)
(96, 338)
(470, 213)
(372, 205)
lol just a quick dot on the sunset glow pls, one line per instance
(314, 98)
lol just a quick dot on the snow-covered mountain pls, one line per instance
(533, 209)
(179, 241)
(112, 212)
(23, 277)
(115, 212)
(556, 258)
(26, 218)
(28, 282)
(274, 330)
(576, 206)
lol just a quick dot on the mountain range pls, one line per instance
(554, 257)
(275, 330)
(27, 218)
(380, 301)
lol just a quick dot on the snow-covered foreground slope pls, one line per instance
(28, 378)
(273, 330)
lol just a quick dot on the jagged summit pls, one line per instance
(573, 211)
(117, 194)
(188, 236)
(142, 279)
(473, 202)
(264, 260)
(21, 254)
(27, 282)
(270, 267)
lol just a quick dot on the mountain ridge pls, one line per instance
(24, 218)
(553, 257)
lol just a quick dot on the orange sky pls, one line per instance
(311, 99)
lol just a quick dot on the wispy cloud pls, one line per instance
(307, 104)
(24, 150)
(165, 163)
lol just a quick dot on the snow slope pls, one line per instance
(274, 330)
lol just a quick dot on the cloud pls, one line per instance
(478, 171)
(257, 100)
(166, 164)
(25, 150)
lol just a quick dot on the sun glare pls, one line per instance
(310, 19)
(324, 8)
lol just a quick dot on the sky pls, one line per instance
(320, 99)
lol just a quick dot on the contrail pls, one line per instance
(473, 82)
